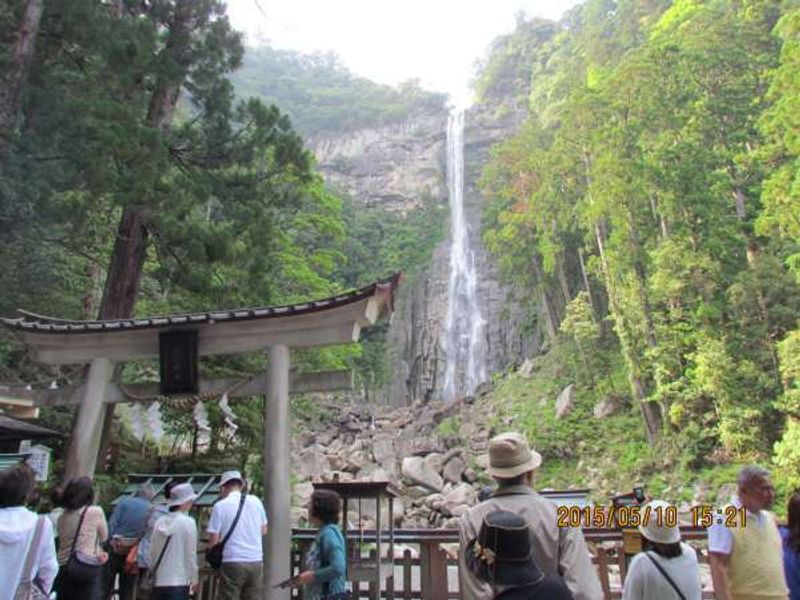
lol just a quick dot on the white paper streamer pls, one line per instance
(137, 421)
(230, 416)
(201, 416)
(154, 422)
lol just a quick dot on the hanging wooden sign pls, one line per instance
(178, 362)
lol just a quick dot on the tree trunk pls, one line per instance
(548, 310)
(130, 248)
(585, 276)
(13, 82)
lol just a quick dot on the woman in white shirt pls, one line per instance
(173, 548)
(666, 569)
(18, 529)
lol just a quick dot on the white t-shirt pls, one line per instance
(244, 544)
(645, 581)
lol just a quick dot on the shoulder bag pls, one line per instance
(666, 576)
(214, 553)
(80, 567)
(28, 589)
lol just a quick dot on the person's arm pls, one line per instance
(263, 516)
(575, 564)
(214, 526)
(191, 552)
(719, 574)
(471, 587)
(47, 563)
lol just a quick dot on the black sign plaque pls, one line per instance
(178, 362)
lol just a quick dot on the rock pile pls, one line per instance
(434, 469)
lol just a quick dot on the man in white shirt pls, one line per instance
(745, 552)
(242, 556)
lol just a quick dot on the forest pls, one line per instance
(650, 206)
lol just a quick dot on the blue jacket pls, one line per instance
(791, 566)
(128, 518)
(331, 576)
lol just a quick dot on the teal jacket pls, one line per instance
(331, 575)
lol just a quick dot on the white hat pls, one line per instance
(654, 529)
(230, 476)
(510, 456)
(180, 494)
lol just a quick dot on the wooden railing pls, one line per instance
(427, 566)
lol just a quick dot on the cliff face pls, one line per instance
(400, 168)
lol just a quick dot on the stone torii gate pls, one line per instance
(102, 344)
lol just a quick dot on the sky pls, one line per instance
(389, 41)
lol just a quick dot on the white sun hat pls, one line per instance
(654, 529)
(180, 494)
(230, 476)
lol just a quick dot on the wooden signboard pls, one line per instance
(178, 362)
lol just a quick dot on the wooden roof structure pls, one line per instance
(333, 320)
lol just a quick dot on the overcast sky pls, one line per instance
(437, 41)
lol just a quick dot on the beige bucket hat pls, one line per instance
(510, 456)
(653, 529)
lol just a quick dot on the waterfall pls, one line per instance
(464, 340)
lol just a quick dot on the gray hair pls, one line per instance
(749, 474)
(145, 491)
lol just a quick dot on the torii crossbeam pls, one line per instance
(101, 344)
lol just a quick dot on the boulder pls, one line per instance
(605, 408)
(416, 446)
(460, 495)
(434, 461)
(313, 462)
(454, 470)
(417, 471)
(470, 475)
(355, 461)
(383, 450)
(527, 368)
(302, 493)
(565, 401)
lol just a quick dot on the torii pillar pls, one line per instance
(277, 469)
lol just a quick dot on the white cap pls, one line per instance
(230, 476)
(180, 494)
(654, 530)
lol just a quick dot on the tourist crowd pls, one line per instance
(511, 544)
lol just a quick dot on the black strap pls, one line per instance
(666, 576)
(78, 530)
(154, 570)
(235, 520)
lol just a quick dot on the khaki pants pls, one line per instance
(240, 581)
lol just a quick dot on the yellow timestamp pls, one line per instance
(704, 515)
(616, 516)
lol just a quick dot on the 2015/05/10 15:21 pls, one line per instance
(616, 516)
(705, 516)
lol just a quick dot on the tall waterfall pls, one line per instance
(464, 339)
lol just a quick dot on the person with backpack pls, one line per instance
(666, 569)
(173, 548)
(236, 529)
(27, 548)
(503, 557)
(325, 575)
(126, 527)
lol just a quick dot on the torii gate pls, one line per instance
(101, 344)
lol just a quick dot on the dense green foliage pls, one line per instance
(650, 204)
(320, 94)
